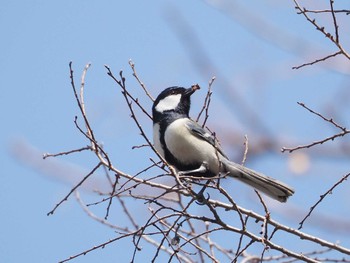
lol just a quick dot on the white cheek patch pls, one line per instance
(168, 103)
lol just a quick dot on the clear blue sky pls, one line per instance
(251, 46)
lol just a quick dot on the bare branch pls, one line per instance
(334, 40)
(74, 188)
(343, 132)
(121, 83)
(172, 223)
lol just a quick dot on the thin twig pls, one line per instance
(323, 196)
(246, 146)
(345, 11)
(81, 100)
(74, 188)
(328, 35)
(121, 83)
(336, 27)
(89, 133)
(206, 103)
(112, 194)
(318, 60)
(46, 155)
(343, 132)
(330, 120)
(132, 65)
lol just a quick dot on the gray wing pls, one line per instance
(263, 183)
(204, 134)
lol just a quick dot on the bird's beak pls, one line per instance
(191, 90)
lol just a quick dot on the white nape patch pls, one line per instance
(168, 103)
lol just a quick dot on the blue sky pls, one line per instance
(250, 48)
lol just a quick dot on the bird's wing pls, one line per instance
(205, 135)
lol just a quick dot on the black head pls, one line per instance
(173, 99)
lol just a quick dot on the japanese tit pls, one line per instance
(192, 150)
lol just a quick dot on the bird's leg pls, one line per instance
(201, 200)
(202, 169)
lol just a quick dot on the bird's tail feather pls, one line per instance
(269, 186)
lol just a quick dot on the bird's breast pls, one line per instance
(187, 148)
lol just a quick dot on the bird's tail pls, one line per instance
(269, 186)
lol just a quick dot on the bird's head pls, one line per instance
(173, 99)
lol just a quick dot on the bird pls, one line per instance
(194, 151)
